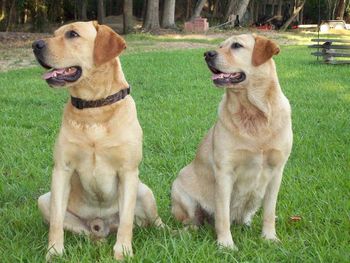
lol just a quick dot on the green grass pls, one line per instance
(177, 104)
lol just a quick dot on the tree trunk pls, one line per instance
(252, 12)
(168, 19)
(127, 16)
(264, 7)
(340, 10)
(257, 9)
(301, 16)
(279, 9)
(216, 9)
(294, 15)
(76, 11)
(83, 10)
(231, 7)
(273, 8)
(237, 7)
(3, 10)
(100, 12)
(144, 10)
(198, 9)
(334, 8)
(40, 16)
(152, 16)
(54, 10)
(188, 9)
(11, 18)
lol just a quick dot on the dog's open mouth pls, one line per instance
(60, 76)
(226, 79)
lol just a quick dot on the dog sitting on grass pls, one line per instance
(240, 162)
(95, 187)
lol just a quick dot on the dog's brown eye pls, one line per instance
(72, 34)
(236, 45)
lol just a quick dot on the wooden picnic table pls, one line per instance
(331, 49)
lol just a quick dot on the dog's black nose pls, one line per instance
(209, 55)
(38, 45)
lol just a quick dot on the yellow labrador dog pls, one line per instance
(240, 162)
(95, 187)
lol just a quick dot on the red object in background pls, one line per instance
(264, 27)
(198, 25)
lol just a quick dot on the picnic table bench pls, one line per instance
(330, 49)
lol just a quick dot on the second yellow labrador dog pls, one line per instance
(95, 187)
(240, 162)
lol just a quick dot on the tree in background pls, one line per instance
(127, 16)
(236, 8)
(44, 15)
(100, 12)
(83, 13)
(198, 9)
(340, 10)
(152, 16)
(297, 8)
(168, 18)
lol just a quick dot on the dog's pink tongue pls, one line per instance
(53, 73)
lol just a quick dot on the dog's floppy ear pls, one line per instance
(108, 44)
(264, 49)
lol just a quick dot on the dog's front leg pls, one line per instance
(60, 188)
(223, 191)
(127, 199)
(269, 205)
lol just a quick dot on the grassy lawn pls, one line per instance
(177, 104)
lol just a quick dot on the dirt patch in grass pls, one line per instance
(16, 51)
(17, 48)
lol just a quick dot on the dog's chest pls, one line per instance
(98, 176)
(252, 170)
(97, 164)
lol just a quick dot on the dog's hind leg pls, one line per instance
(183, 205)
(146, 207)
(71, 222)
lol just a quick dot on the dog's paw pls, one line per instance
(270, 237)
(191, 227)
(54, 250)
(159, 223)
(122, 250)
(227, 243)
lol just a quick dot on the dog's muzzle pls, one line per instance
(220, 78)
(39, 48)
(55, 76)
(210, 55)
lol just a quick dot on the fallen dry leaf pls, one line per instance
(295, 218)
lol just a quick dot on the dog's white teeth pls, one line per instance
(225, 75)
(69, 70)
(234, 75)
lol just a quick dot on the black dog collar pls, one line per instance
(82, 104)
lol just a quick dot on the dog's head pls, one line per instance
(238, 59)
(75, 49)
